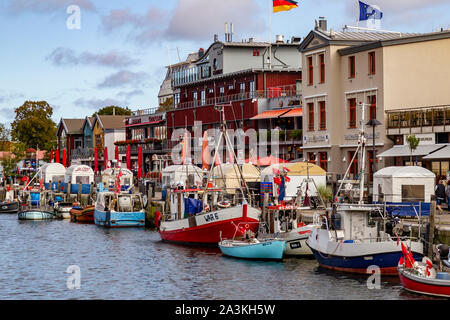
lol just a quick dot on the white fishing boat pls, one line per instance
(353, 236)
(34, 206)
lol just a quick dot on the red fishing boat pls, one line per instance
(85, 215)
(422, 277)
(205, 216)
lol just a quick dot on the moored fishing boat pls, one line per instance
(62, 209)
(85, 215)
(353, 236)
(114, 210)
(10, 204)
(34, 206)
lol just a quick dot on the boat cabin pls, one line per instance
(122, 202)
(109, 178)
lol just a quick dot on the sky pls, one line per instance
(118, 54)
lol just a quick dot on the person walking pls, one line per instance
(447, 193)
(440, 195)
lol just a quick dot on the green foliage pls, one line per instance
(166, 105)
(9, 164)
(118, 111)
(33, 125)
(413, 142)
(5, 137)
(296, 134)
(325, 193)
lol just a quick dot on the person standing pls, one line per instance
(440, 195)
(447, 193)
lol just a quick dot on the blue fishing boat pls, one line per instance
(254, 248)
(115, 210)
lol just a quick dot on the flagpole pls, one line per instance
(270, 33)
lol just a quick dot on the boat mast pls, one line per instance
(362, 142)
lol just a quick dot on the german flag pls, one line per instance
(284, 5)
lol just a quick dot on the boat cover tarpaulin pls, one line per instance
(405, 209)
(192, 206)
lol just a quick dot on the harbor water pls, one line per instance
(134, 264)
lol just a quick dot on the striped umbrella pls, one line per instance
(128, 157)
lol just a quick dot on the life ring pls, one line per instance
(224, 204)
(247, 226)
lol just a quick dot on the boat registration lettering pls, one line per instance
(295, 245)
(211, 217)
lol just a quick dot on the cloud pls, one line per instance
(123, 78)
(190, 20)
(9, 97)
(65, 56)
(47, 6)
(96, 104)
(129, 95)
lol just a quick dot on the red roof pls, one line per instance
(297, 112)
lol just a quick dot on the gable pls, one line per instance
(313, 41)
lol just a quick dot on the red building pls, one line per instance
(242, 76)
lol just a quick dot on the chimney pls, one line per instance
(296, 39)
(250, 40)
(322, 24)
(216, 38)
(280, 38)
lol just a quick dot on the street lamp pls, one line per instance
(373, 123)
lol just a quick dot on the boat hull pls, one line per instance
(9, 207)
(296, 242)
(387, 262)
(82, 216)
(422, 285)
(35, 215)
(119, 219)
(210, 228)
(272, 250)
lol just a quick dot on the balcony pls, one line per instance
(269, 93)
(146, 147)
(427, 119)
(144, 112)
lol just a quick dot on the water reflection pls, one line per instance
(136, 264)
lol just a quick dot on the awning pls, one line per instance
(443, 153)
(297, 112)
(270, 114)
(404, 151)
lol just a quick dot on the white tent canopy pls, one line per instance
(53, 172)
(175, 174)
(404, 184)
(227, 175)
(79, 174)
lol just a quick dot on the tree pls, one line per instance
(167, 105)
(110, 110)
(413, 142)
(5, 137)
(33, 125)
(9, 164)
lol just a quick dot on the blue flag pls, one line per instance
(367, 11)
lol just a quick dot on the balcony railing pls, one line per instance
(269, 93)
(423, 117)
(144, 112)
(151, 146)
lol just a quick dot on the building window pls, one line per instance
(311, 157)
(323, 117)
(203, 97)
(221, 91)
(372, 62)
(354, 163)
(242, 87)
(310, 71)
(352, 113)
(351, 67)
(370, 157)
(372, 101)
(311, 116)
(230, 87)
(323, 160)
(251, 86)
(176, 99)
(322, 68)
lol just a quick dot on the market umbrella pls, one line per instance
(57, 156)
(106, 158)
(64, 159)
(96, 160)
(51, 156)
(206, 155)
(140, 163)
(128, 157)
(117, 153)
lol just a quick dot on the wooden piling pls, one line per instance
(432, 226)
(79, 193)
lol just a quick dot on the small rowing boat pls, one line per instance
(85, 215)
(253, 248)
